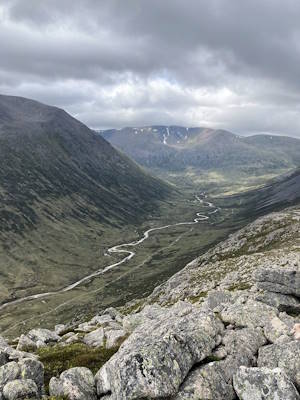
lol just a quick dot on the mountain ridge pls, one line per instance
(177, 148)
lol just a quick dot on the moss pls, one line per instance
(195, 299)
(57, 359)
(239, 286)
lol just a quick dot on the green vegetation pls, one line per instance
(240, 286)
(60, 358)
(195, 299)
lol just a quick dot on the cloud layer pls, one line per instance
(115, 63)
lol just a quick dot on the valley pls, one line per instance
(86, 228)
(174, 239)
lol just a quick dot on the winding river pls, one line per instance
(119, 249)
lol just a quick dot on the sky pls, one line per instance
(231, 64)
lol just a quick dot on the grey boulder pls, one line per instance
(9, 372)
(75, 384)
(158, 355)
(280, 280)
(285, 356)
(263, 384)
(95, 338)
(26, 344)
(209, 382)
(281, 301)
(21, 389)
(34, 370)
(43, 336)
(247, 314)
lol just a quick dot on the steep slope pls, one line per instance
(177, 148)
(44, 153)
(279, 193)
(62, 188)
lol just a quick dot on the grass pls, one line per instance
(56, 254)
(57, 359)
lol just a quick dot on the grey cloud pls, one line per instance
(113, 63)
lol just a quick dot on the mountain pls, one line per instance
(63, 190)
(176, 148)
(47, 154)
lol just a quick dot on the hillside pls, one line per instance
(63, 192)
(280, 192)
(176, 149)
(225, 327)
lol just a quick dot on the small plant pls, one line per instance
(57, 359)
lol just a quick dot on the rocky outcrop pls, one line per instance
(155, 364)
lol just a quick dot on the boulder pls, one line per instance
(251, 313)
(263, 384)
(3, 358)
(43, 336)
(281, 301)
(74, 338)
(34, 370)
(9, 372)
(132, 321)
(21, 389)
(208, 382)
(101, 320)
(85, 327)
(75, 384)
(3, 342)
(95, 338)
(158, 355)
(114, 313)
(60, 329)
(114, 338)
(217, 299)
(26, 344)
(285, 356)
(285, 280)
(246, 340)
(275, 329)
(296, 331)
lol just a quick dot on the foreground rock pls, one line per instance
(285, 356)
(21, 389)
(264, 384)
(156, 358)
(75, 384)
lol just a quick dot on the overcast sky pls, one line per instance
(232, 64)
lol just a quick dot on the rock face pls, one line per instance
(155, 364)
(263, 384)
